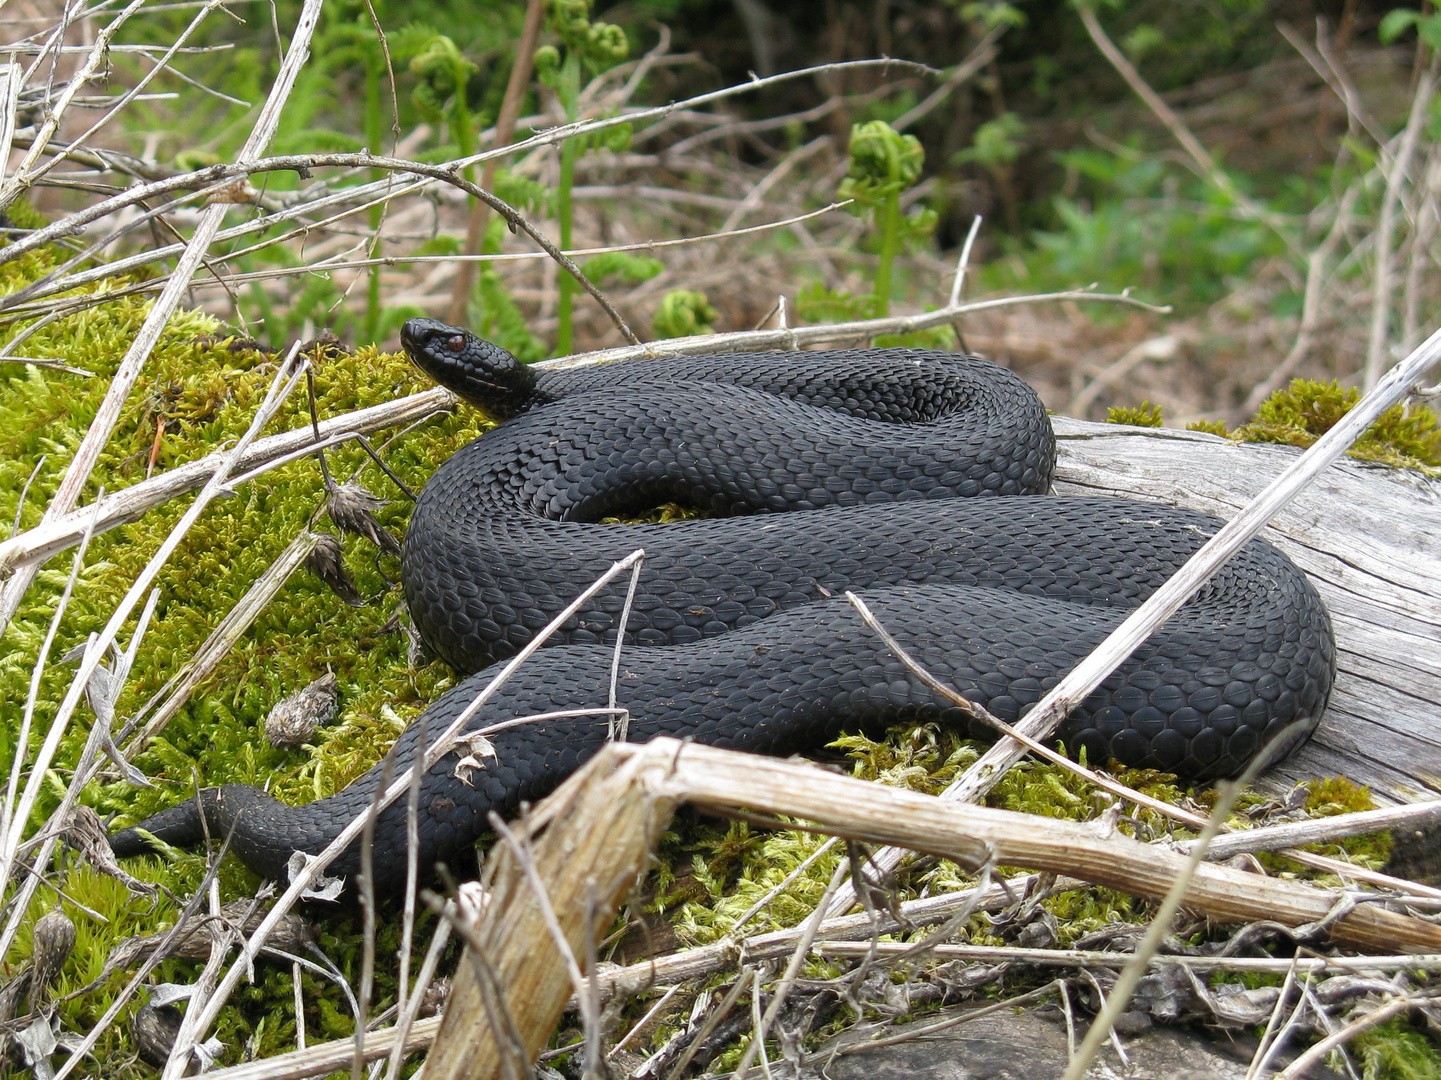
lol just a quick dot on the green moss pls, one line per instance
(1210, 427)
(1338, 795)
(1396, 1050)
(1143, 415)
(199, 394)
(1404, 436)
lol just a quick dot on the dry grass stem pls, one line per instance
(168, 702)
(1397, 175)
(285, 380)
(782, 989)
(1092, 958)
(1119, 999)
(673, 970)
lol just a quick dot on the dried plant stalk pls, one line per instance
(592, 837)
(588, 843)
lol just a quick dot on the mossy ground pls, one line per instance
(1403, 437)
(200, 392)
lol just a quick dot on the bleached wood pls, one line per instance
(1368, 536)
(591, 837)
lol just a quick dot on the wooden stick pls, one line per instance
(594, 832)
(971, 834)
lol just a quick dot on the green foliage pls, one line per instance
(941, 338)
(621, 267)
(595, 46)
(1143, 415)
(1397, 21)
(815, 303)
(684, 313)
(601, 45)
(996, 142)
(1138, 220)
(1403, 436)
(993, 13)
(201, 393)
(1395, 1050)
(441, 74)
(502, 322)
(883, 164)
(736, 869)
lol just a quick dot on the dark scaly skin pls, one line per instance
(738, 637)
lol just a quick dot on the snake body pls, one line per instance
(828, 471)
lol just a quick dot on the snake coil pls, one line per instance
(738, 635)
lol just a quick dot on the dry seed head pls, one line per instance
(432, 1002)
(52, 940)
(352, 507)
(325, 563)
(154, 1029)
(294, 720)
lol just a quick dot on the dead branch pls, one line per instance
(585, 837)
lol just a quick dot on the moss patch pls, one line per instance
(198, 393)
(1403, 436)
(1142, 415)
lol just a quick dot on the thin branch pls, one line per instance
(984, 52)
(1204, 164)
(1396, 177)
(23, 175)
(958, 282)
(140, 288)
(515, 89)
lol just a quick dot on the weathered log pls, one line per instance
(1369, 537)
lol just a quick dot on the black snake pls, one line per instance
(739, 635)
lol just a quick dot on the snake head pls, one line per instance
(483, 374)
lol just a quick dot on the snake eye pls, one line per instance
(456, 343)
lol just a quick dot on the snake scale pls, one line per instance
(915, 478)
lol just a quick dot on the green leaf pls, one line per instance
(684, 313)
(1395, 23)
(991, 15)
(882, 162)
(996, 142)
(622, 267)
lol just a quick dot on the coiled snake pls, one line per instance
(739, 636)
